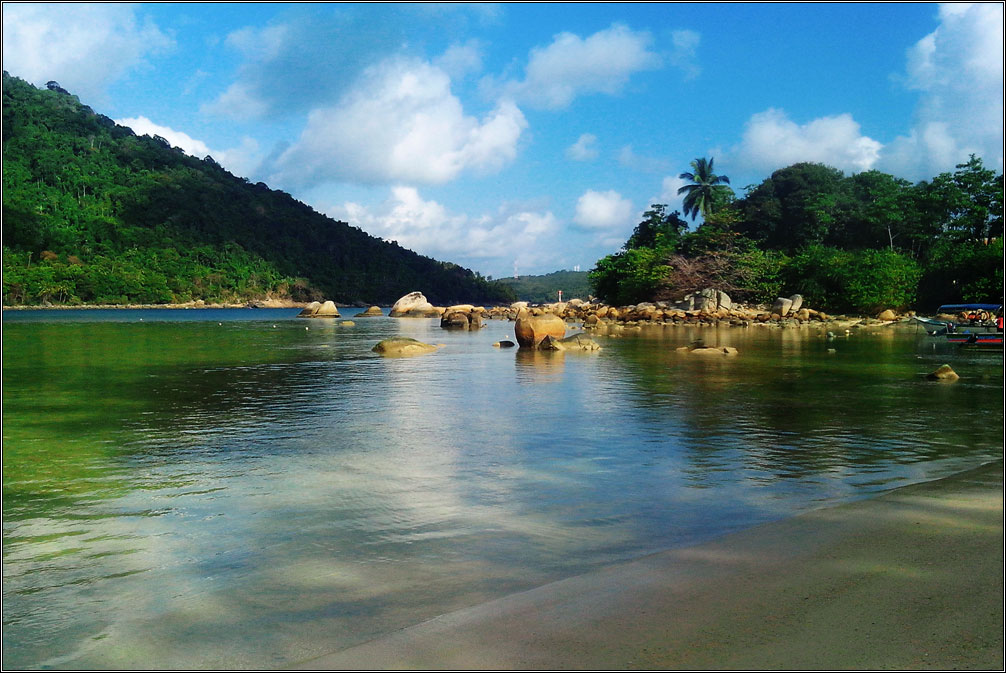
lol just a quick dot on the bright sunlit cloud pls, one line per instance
(401, 123)
(604, 211)
(772, 141)
(958, 68)
(572, 66)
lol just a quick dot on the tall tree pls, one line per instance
(707, 192)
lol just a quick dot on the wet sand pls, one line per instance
(912, 579)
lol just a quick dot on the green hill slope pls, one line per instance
(545, 288)
(93, 213)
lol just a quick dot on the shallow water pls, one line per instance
(245, 489)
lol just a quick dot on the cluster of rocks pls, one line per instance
(320, 310)
(705, 307)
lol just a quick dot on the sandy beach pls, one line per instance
(912, 579)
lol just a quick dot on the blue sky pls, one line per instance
(527, 136)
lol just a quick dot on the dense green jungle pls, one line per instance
(856, 244)
(93, 214)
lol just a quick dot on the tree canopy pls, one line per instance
(707, 191)
(847, 243)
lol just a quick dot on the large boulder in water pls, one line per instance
(531, 329)
(318, 310)
(402, 347)
(310, 309)
(414, 305)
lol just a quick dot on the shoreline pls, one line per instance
(910, 579)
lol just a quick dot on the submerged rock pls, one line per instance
(943, 373)
(402, 347)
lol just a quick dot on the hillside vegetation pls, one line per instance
(93, 213)
(858, 243)
(545, 288)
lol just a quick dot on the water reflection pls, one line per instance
(242, 495)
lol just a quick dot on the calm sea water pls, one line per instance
(245, 489)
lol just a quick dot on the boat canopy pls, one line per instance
(953, 308)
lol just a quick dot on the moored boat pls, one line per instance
(980, 326)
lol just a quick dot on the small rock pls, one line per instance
(943, 373)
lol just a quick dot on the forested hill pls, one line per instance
(93, 213)
(544, 289)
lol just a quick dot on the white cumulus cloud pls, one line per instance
(83, 46)
(401, 124)
(572, 66)
(425, 226)
(772, 141)
(958, 68)
(606, 211)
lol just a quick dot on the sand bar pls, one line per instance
(912, 579)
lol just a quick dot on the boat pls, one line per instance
(980, 326)
(976, 340)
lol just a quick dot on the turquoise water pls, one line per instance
(245, 489)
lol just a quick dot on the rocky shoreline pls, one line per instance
(705, 308)
(708, 307)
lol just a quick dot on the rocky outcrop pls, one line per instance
(318, 310)
(402, 347)
(531, 329)
(709, 307)
(462, 316)
(372, 312)
(709, 299)
(414, 305)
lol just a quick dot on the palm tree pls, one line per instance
(707, 190)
